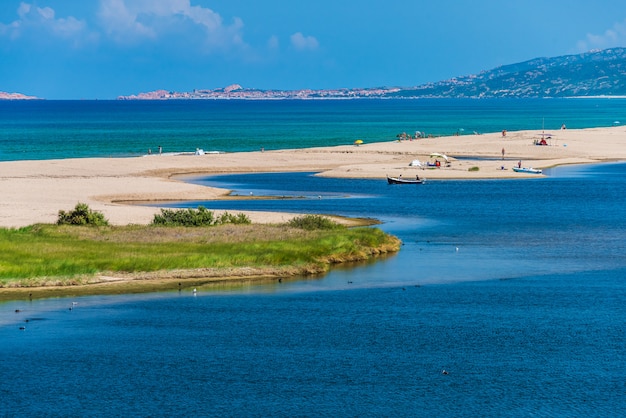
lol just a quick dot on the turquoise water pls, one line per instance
(514, 287)
(64, 129)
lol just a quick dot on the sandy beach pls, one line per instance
(34, 191)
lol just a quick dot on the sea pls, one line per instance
(507, 298)
(44, 130)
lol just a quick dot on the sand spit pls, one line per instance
(34, 191)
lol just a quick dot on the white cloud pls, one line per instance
(273, 43)
(120, 22)
(616, 36)
(303, 43)
(136, 20)
(23, 9)
(38, 19)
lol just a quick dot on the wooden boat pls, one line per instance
(529, 170)
(400, 180)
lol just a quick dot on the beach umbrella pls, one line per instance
(358, 142)
(438, 155)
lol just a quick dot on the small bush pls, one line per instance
(196, 217)
(473, 168)
(184, 217)
(81, 215)
(312, 222)
(229, 218)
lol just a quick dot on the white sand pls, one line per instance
(34, 191)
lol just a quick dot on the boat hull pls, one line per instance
(397, 180)
(527, 170)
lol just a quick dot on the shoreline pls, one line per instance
(182, 280)
(35, 191)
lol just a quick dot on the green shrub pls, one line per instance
(81, 215)
(229, 218)
(196, 217)
(312, 222)
(184, 217)
(473, 168)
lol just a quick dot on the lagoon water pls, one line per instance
(515, 288)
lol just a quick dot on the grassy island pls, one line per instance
(46, 259)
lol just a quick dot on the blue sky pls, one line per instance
(72, 49)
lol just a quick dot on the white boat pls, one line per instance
(529, 170)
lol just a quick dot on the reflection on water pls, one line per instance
(545, 337)
(461, 230)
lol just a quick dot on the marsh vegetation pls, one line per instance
(45, 254)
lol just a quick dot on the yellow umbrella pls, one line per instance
(358, 142)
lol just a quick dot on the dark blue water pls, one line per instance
(527, 316)
(35, 130)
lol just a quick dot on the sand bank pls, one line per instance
(34, 191)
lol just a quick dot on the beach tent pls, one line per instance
(415, 163)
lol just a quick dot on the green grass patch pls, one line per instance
(45, 253)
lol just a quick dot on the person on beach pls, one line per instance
(160, 150)
(503, 153)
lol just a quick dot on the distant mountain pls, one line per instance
(595, 73)
(235, 91)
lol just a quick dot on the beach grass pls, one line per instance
(46, 254)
